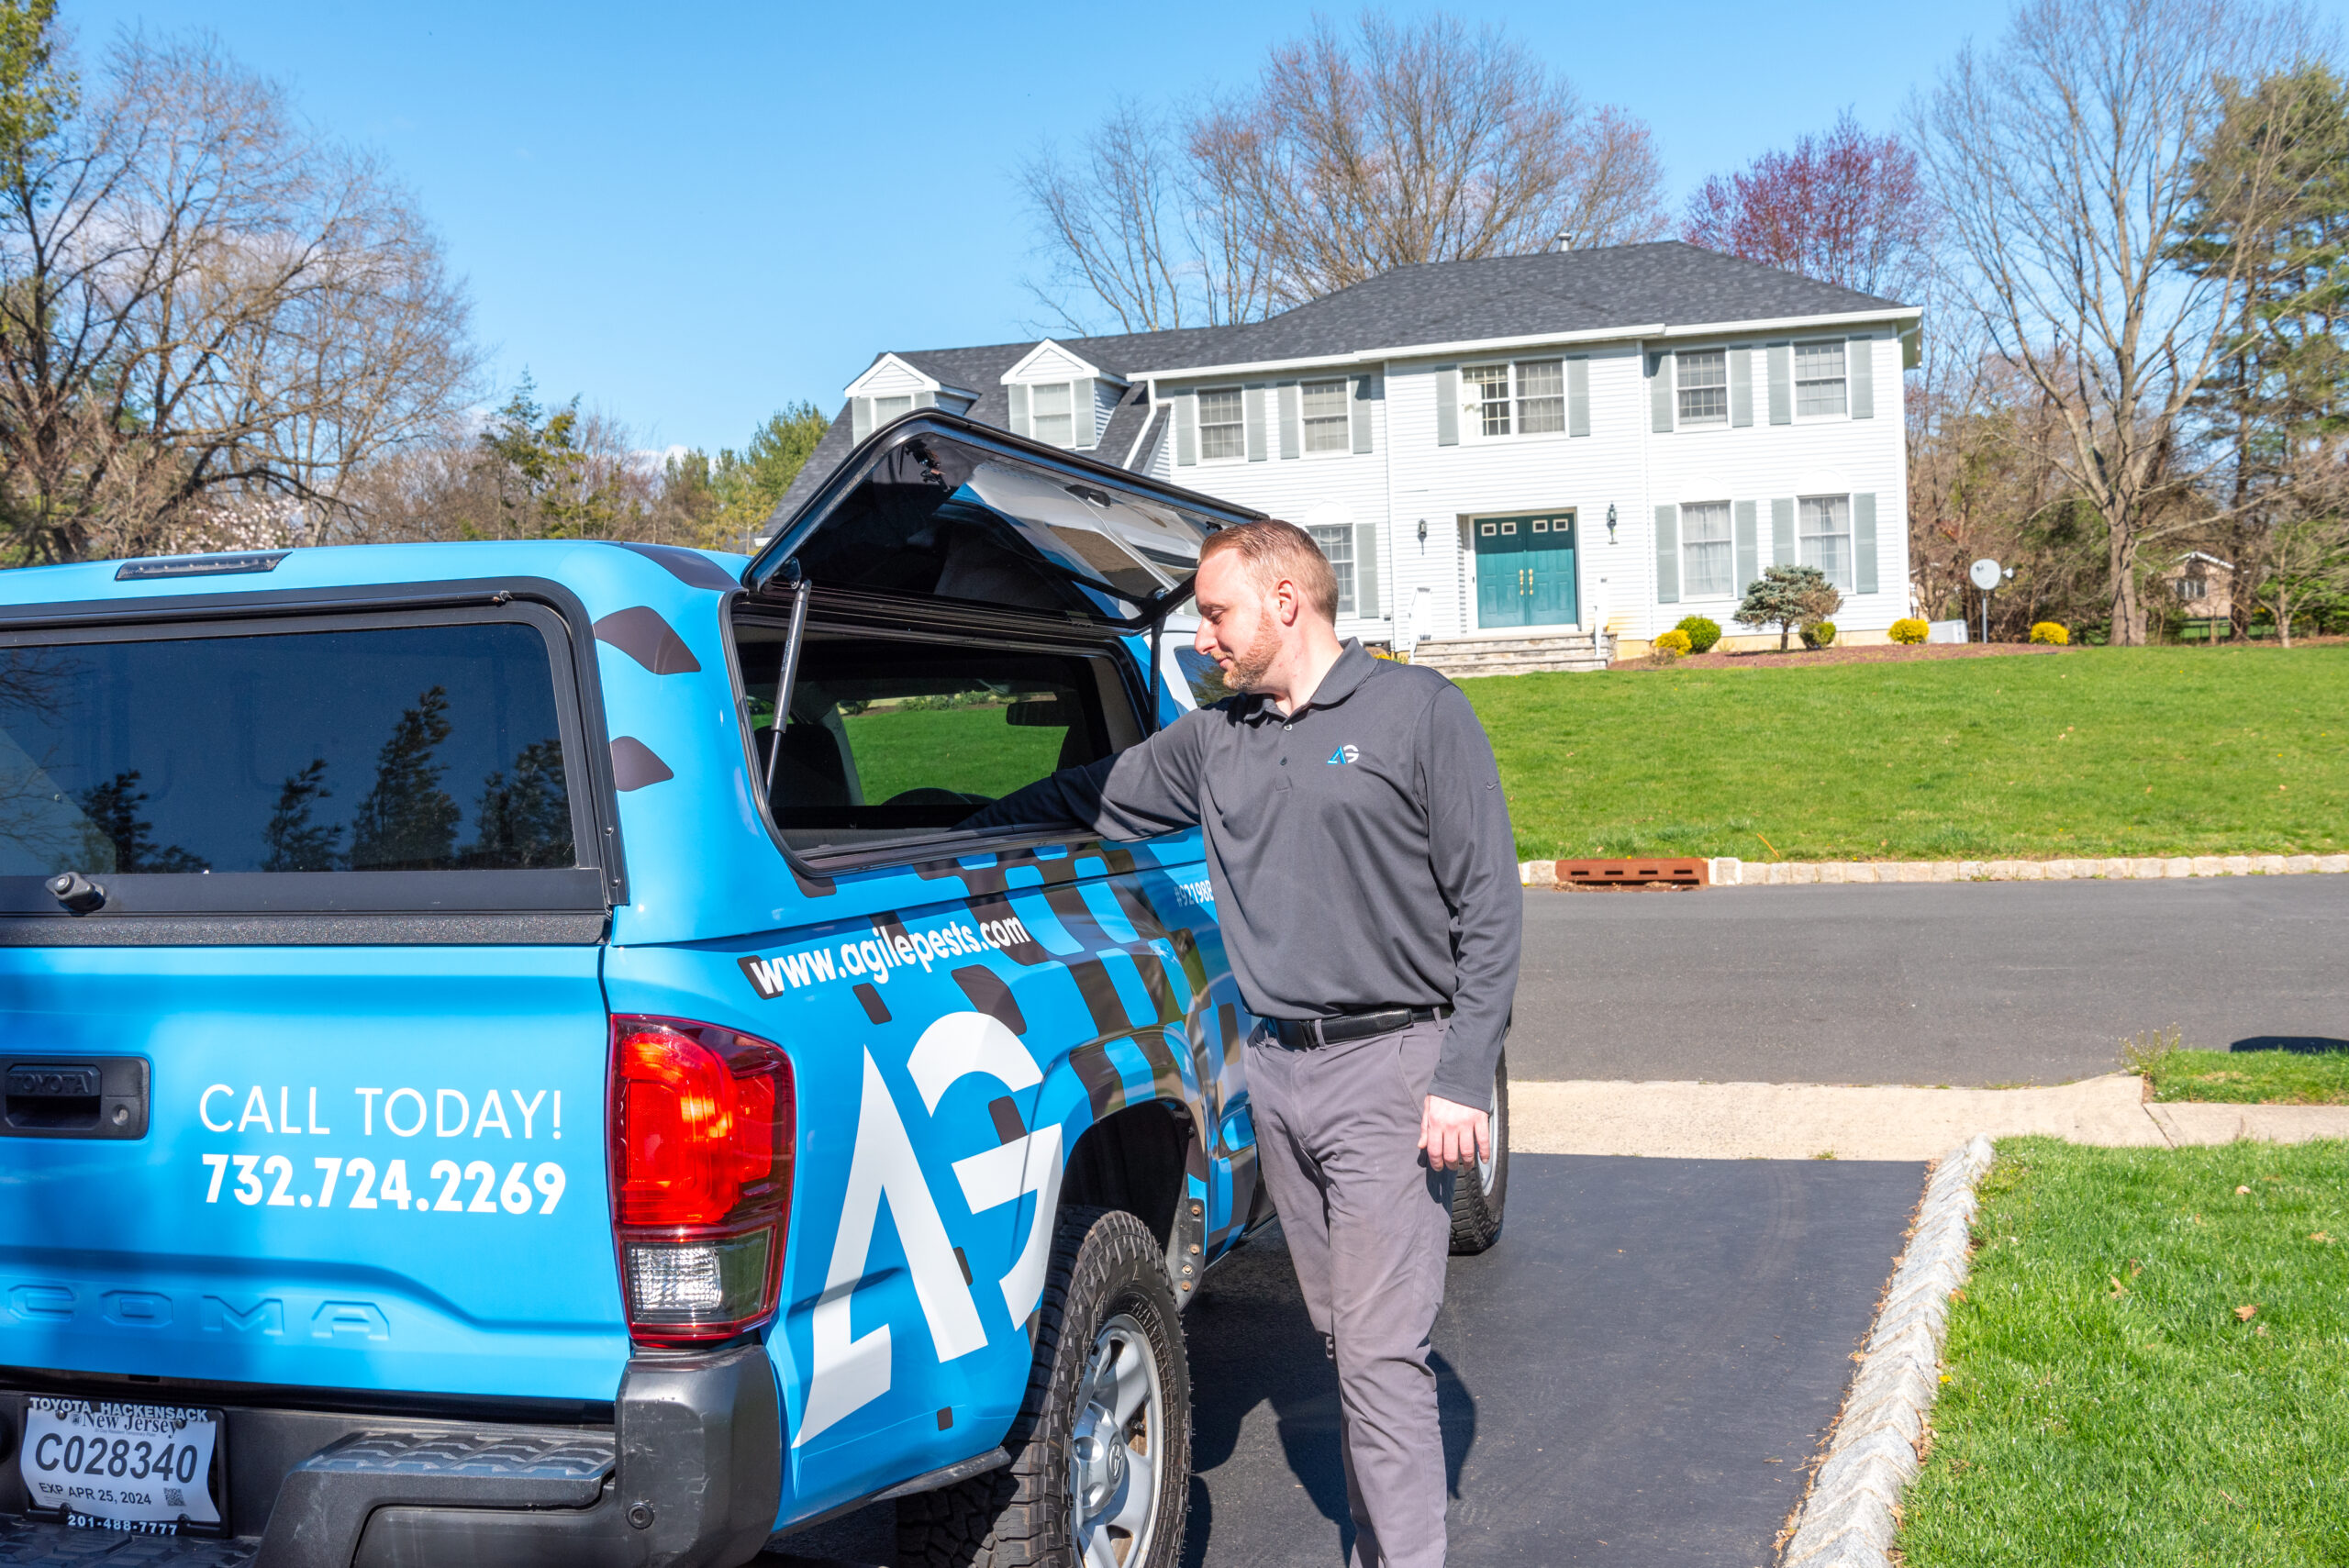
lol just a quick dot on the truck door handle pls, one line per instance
(89, 1097)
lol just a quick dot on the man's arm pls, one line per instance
(1473, 853)
(1141, 791)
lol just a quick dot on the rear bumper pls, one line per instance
(690, 1473)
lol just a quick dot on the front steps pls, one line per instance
(1460, 657)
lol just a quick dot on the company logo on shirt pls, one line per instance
(1344, 755)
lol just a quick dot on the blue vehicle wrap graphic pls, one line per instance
(955, 1027)
(336, 1176)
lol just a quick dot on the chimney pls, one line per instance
(1565, 241)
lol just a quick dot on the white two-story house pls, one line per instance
(1525, 462)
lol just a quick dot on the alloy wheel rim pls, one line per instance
(1117, 1451)
(1489, 1164)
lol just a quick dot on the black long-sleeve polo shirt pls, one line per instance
(1360, 848)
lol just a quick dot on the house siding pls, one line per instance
(1410, 474)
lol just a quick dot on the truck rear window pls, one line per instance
(420, 748)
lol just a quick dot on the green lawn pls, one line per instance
(2091, 752)
(2107, 1402)
(971, 749)
(2248, 1077)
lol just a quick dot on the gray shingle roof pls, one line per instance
(1437, 302)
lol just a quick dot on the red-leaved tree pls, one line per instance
(1846, 207)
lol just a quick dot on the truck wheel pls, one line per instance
(1478, 1196)
(1100, 1476)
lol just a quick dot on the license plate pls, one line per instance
(145, 1468)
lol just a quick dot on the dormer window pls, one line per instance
(1048, 414)
(887, 408)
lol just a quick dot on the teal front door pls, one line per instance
(1525, 570)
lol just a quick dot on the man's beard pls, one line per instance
(1249, 665)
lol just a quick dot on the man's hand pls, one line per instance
(1455, 1135)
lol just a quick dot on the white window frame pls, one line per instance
(1726, 545)
(1036, 416)
(1340, 423)
(1475, 408)
(1336, 543)
(1681, 389)
(1807, 555)
(1237, 424)
(887, 408)
(1844, 381)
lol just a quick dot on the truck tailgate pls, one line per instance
(305, 1107)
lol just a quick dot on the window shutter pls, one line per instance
(1859, 367)
(1782, 384)
(1863, 539)
(1366, 394)
(1252, 403)
(1447, 406)
(1667, 555)
(1782, 532)
(1019, 410)
(860, 417)
(1578, 397)
(1660, 394)
(1748, 551)
(1186, 430)
(1083, 418)
(1292, 421)
(1740, 386)
(925, 399)
(1367, 604)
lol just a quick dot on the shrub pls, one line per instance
(1703, 632)
(1817, 633)
(1675, 642)
(2051, 631)
(1786, 596)
(1909, 629)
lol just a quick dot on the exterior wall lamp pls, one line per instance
(1610, 522)
(1423, 530)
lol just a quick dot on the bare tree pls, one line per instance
(1113, 225)
(200, 298)
(2065, 164)
(1353, 152)
(1847, 208)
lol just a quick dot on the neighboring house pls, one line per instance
(1501, 457)
(2203, 585)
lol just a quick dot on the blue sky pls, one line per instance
(694, 212)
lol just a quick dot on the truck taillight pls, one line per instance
(701, 1150)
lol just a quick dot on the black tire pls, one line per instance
(1479, 1196)
(1107, 1281)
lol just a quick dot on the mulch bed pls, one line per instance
(1875, 653)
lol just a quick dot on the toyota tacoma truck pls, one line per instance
(781, 1145)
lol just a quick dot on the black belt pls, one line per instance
(1305, 1034)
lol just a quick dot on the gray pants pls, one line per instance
(1369, 1228)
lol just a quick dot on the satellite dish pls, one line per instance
(1985, 575)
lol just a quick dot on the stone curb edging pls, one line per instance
(1848, 1520)
(1729, 872)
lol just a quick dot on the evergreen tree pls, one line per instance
(296, 842)
(1786, 596)
(116, 826)
(407, 822)
(525, 819)
(2284, 397)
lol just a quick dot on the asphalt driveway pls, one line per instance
(1634, 1376)
(1939, 982)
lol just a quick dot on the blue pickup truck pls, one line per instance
(781, 1146)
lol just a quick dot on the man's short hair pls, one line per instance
(1272, 550)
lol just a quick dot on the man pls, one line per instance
(1366, 877)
